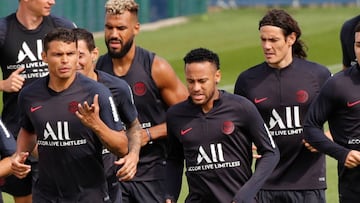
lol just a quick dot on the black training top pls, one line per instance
(283, 97)
(347, 39)
(22, 47)
(339, 104)
(151, 110)
(70, 154)
(217, 148)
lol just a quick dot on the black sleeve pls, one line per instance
(317, 115)
(174, 166)
(239, 84)
(7, 142)
(3, 29)
(261, 137)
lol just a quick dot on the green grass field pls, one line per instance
(233, 34)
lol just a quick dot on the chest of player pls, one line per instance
(23, 48)
(282, 89)
(54, 118)
(211, 130)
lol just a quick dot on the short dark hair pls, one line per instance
(59, 34)
(357, 27)
(201, 55)
(280, 18)
(83, 34)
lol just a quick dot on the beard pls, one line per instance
(119, 54)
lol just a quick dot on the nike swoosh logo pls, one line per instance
(351, 104)
(183, 132)
(32, 109)
(256, 100)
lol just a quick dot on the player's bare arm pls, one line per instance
(129, 162)
(115, 141)
(172, 91)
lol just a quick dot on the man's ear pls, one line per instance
(43, 56)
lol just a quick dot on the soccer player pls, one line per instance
(347, 35)
(155, 87)
(21, 36)
(70, 154)
(282, 88)
(339, 104)
(123, 99)
(213, 131)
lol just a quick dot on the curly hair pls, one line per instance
(281, 19)
(115, 7)
(202, 54)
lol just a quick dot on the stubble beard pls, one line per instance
(120, 54)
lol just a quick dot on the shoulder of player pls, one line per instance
(254, 71)
(160, 65)
(4, 26)
(162, 72)
(112, 81)
(310, 67)
(62, 22)
(184, 106)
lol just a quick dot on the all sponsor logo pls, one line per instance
(287, 125)
(211, 158)
(59, 136)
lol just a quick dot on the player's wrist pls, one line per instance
(148, 133)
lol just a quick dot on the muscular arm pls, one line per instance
(133, 134)
(171, 88)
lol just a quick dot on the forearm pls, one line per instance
(26, 141)
(264, 167)
(114, 141)
(5, 167)
(156, 132)
(133, 134)
(317, 139)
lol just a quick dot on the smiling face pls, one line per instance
(276, 46)
(87, 58)
(202, 79)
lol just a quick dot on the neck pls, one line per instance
(60, 84)
(28, 19)
(93, 75)
(122, 65)
(210, 105)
